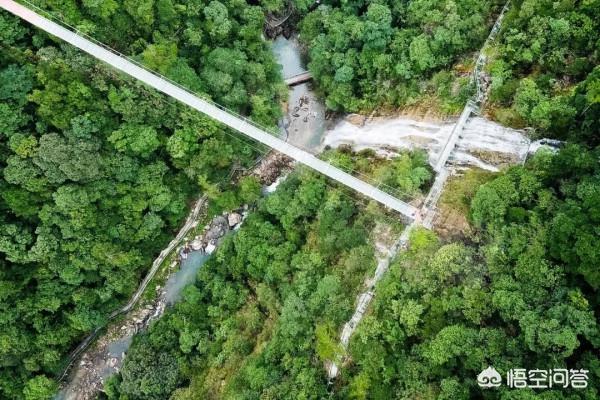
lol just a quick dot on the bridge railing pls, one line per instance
(474, 104)
(278, 22)
(482, 58)
(57, 19)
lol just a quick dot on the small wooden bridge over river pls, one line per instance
(298, 78)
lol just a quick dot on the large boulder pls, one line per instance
(196, 244)
(234, 219)
(356, 119)
(218, 228)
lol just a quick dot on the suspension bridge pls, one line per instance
(211, 109)
(473, 106)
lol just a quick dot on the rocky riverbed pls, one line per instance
(483, 143)
(105, 356)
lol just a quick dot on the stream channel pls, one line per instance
(483, 144)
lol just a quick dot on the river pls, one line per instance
(184, 276)
(304, 124)
(115, 349)
(483, 143)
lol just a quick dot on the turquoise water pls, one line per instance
(184, 276)
(305, 122)
(287, 53)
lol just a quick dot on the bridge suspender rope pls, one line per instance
(212, 110)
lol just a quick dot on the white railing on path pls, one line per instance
(428, 210)
(476, 103)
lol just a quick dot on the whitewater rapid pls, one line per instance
(483, 143)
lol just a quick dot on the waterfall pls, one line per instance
(483, 143)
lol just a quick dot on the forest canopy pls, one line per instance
(526, 297)
(97, 171)
(366, 55)
(263, 316)
(265, 313)
(544, 69)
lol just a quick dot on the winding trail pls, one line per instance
(364, 299)
(190, 223)
(427, 213)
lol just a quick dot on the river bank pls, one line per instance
(105, 355)
(484, 144)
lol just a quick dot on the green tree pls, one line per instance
(149, 375)
(39, 388)
(139, 140)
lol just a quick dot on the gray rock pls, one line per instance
(218, 227)
(196, 244)
(234, 219)
(356, 119)
(210, 248)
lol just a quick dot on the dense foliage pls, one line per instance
(212, 47)
(543, 75)
(405, 176)
(387, 53)
(525, 298)
(96, 171)
(265, 311)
